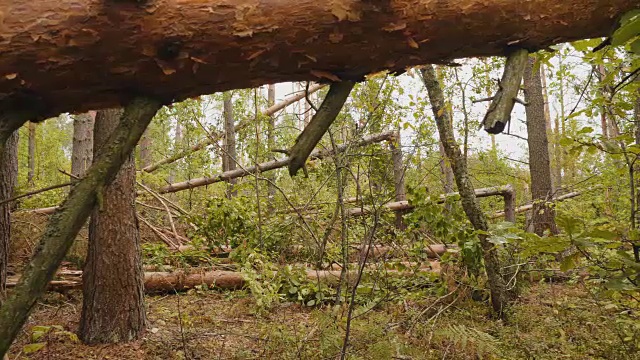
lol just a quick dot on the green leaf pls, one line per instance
(293, 290)
(36, 335)
(311, 302)
(31, 348)
(586, 130)
(569, 262)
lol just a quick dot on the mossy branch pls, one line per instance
(66, 222)
(499, 112)
(318, 126)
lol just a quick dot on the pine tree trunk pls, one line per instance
(229, 155)
(145, 150)
(271, 142)
(499, 295)
(8, 178)
(113, 294)
(82, 147)
(96, 52)
(398, 177)
(543, 214)
(31, 172)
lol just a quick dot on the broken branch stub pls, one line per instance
(312, 133)
(499, 112)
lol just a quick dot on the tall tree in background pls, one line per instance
(112, 281)
(8, 178)
(271, 142)
(145, 149)
(31, 172)
(442, 114)
(543, 214)
(229, 156)
(82, 147)
(398, 177)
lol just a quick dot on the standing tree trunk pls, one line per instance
(499, 296)
(398, 177)
(229, 157)
(145, 150)
(31, 155)
(271, 142)
(8, 178)
(555, 180)
(82, 147)
(112, 282)
(543, 214)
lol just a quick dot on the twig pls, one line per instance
(162, 236)
(173, 226)
(35, 192)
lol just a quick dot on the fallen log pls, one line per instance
(80, 55)
(506, 191)
(267, 166)
(168, 282)
(217, 136)
(529, 207)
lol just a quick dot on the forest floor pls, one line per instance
(549, 321)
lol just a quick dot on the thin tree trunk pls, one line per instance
(499, 296)
(8, 179)
(555, 182)
(31, 172)
(112, 283)
(177, 143)
(66, 222)
(229, 156)
(543, 214)
(398, 177)
(145, 149)
(82, 147)
(271, 142)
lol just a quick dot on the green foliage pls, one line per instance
(469, 340)
(226, 222)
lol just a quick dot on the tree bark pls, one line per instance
(78, 55)
(555, 180)
(499, 295)
(398, 177)
(82, 146)
(66, 222)
(271, 142)
(31, 160)
(8, 179)
(145, 150)
(113, 295)
(229, 156)
(543, 214)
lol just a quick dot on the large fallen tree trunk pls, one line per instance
(267, 166)
(168, 282)
(217, 136)
(79, 55)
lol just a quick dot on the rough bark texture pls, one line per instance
(113, 295)
(8, 178)
(78, 55)
(229, 156)
(555, 180)
(66, 222)
(543, 214)
(31, 156)
(82, 147)
(499, 296)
